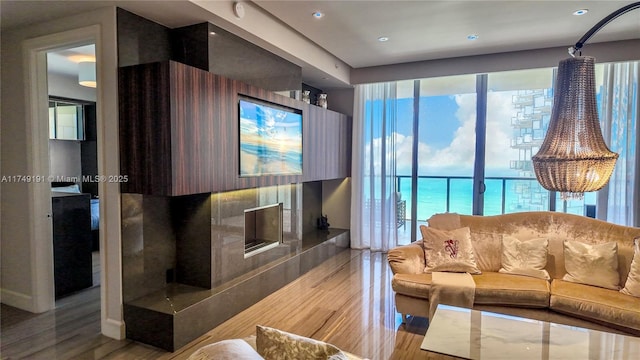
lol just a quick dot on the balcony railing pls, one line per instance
(502, 194)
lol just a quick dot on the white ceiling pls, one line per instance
(417, 30)
(424, 30)
(65, 61)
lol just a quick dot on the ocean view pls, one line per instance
(519, 194)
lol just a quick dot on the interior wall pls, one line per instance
(311, 205)
(336, 202)
(479, 64)
(15, 249)
(19, 286)
(67, 87)
(65, 159)
(341, 100)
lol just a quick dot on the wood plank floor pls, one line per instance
(347, 301)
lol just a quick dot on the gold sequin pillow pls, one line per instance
(274, 344)
(595, 265)
(632, 286)
(448, 250)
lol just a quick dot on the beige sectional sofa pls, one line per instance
(550, 300)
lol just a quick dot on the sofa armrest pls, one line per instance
(407, 259)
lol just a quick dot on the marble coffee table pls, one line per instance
(473, 334)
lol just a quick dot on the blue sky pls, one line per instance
(447, 135)
(440, 110)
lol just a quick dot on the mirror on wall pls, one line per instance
(66, 119)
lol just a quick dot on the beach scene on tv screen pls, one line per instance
(270, 140)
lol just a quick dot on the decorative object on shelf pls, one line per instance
(574, 158)
(323, 222)
(322, 100)
(305, 96)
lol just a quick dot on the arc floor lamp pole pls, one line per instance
(573, 158)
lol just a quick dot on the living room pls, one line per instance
(329, 194)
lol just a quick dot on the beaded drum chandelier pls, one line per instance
(573, 158)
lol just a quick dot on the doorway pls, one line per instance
(35, 63)
(71, 84)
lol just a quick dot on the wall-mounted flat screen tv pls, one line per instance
(270, 139)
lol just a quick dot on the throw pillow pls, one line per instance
(595, 265)
(632, 286)
(233, 349)
(526, 258)
(487, 249)
(274, 344)
(448, 250)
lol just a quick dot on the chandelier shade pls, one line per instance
(573, 157)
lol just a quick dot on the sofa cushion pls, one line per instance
(448, 250)
(233, 349)
(526, 258)
(487, 248)
(511, 290)
(595, 265)
(416, 285)
(632, 285)
(595, 303)
(274, 344)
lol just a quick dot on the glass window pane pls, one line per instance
(446, 150)
(404, 151)
(66, 122)
(518, 109)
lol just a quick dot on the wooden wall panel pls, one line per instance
(344, 154)
(192, 133)
(180, 126)
(145, 128)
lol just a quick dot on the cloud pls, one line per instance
(457, 158)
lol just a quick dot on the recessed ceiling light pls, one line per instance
(317, 15)
(212, 32)
(473, 37)
(580, 12)
(383, 38)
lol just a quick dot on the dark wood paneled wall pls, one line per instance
(145, 128)
(180, 132)
(194, 139)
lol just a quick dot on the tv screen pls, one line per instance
(270, 139)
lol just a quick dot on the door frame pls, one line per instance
(39, 197)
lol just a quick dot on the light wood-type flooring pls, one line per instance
(347, 301)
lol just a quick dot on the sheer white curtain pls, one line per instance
(619, 201)
(373, 195)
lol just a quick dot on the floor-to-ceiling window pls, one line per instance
(464, 144)
(475, 136)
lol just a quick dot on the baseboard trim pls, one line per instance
(17, 300)
(113, 329)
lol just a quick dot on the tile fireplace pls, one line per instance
(262, 228)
